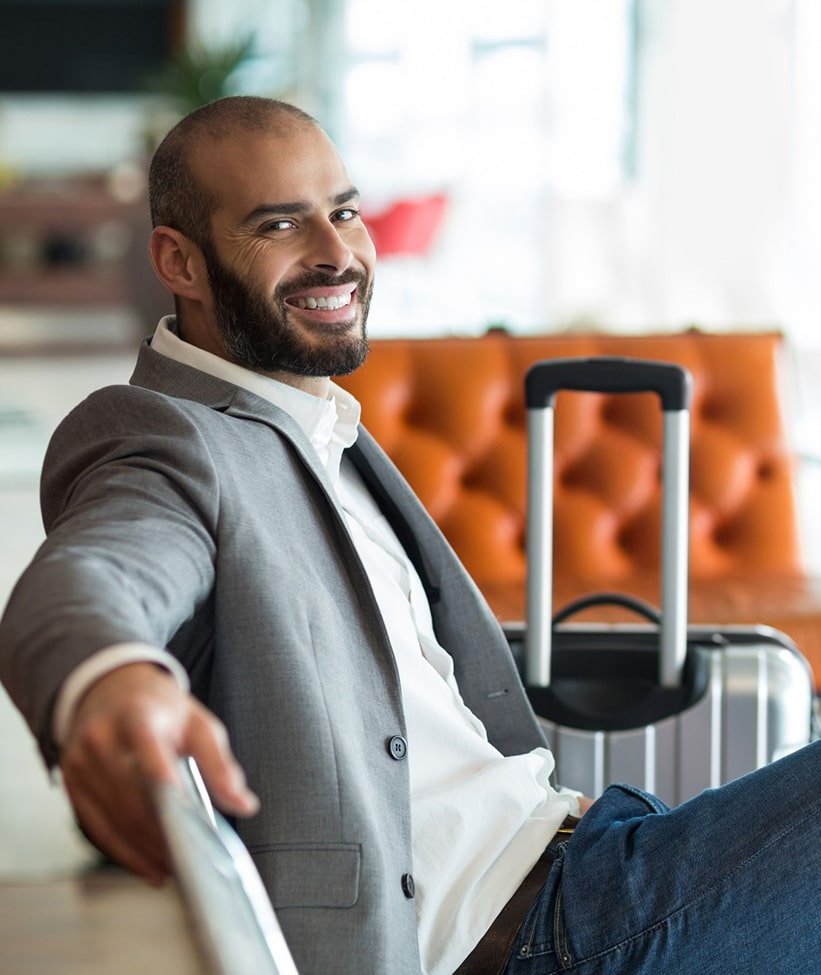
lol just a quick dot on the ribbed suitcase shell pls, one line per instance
(756, 708)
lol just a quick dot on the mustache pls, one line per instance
(318, 279)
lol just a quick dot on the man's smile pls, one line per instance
(324, 300)
(332, 302)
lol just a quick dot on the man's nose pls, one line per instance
(328, 251)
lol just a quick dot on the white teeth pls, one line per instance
(329, 304)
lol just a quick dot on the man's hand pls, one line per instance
(585, 802)
(129, 731)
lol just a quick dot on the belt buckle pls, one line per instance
(569, 824)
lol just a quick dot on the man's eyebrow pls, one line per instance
(270, 209)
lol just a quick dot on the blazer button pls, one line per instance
(408, 886)
(397, 748)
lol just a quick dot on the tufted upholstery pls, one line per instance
(450, 412)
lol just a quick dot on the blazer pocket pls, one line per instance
(310, 875)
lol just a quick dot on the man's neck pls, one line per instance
(315, 385)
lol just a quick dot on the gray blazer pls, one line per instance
(184, 512)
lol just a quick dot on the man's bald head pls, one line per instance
(176, 198)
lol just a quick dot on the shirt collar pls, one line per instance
(324, 422)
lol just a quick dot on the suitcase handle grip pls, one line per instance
(608, 374)
(633, 603)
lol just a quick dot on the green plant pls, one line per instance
(198, 74)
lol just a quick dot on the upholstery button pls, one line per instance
(408, 886)
(397, 748)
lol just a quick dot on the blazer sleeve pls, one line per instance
(130, 502)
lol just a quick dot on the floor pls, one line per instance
(37, 834)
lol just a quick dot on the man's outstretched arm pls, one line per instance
(127, 734)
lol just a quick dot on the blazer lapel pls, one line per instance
(396, 501)
(165, 375)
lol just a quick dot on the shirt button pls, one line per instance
(397, 748)
(408, 886)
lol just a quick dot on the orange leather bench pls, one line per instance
(450, 412)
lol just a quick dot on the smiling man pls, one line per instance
(230, 556)
(265, 251)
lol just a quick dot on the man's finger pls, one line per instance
(207, 742)
(154, 748)
(145, 855)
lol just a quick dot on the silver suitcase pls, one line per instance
(667, 707)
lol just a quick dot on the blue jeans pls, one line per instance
(728, 883)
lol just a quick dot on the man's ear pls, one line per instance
(178, 263)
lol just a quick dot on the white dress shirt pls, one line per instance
(480, 820)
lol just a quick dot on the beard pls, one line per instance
(258, 334)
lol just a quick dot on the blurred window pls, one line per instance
(503, 106)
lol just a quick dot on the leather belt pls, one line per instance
(491, 955)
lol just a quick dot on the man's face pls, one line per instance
(290, 263)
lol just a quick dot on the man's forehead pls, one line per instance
(254, 166)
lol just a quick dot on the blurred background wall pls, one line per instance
(629, 164)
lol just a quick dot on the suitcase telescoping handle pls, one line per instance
(608, 374)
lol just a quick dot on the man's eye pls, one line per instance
(274, 225)
(349, 213)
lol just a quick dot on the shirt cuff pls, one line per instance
(98, 665)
